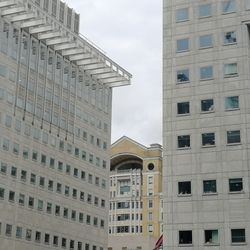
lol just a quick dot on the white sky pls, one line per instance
(129, 31)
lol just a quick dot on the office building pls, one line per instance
(135, 213)
(206, 124)
(55, 119)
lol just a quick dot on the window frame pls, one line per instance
(186, 48)
(233, 143)
(178, 11)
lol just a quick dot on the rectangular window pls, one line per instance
(182, 15)
(182, 76)
(229, 37)
(49, 208)
(38, 236)
(185, 237)
(228, 6)
(247, 4)
(55, 240)
(11, 196)
(46, 239)
(211, 237)
(3, 168)
(232, 102)
(235, 185)
(206, 73)
(184, 141)
(1, 193)
(28, 234)
(8, 230)
(13, 171)
(182, 45)
(31, 202)
(32, 178)
(21, 199)
(18, 232)
(183, 108)
(184, 187)
(209, 186)
(23, 175)
(230, 69)
(65, 212)
(233, 136)
(207, 105)
(57, 210)
(238, 235)
(206, 41)
(208, 139)
(205, 10)
(40, 205)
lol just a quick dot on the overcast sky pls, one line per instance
(129, 32)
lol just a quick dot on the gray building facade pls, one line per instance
(206, 102)
(55, 124)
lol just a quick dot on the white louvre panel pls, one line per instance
(78, 49)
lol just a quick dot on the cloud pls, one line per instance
(130, 33)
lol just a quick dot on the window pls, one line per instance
(52, 162)
(230, 69)
(185, 237)
(182, 45)
(49, 208)
(38, 236)
(75, 172)
(209, 186)
(66, 191)
(184, 187)
(184, 141)
(206, 73)
(205, 10)
(31, 202)
(211, 237)
(57, 210)
(6, 144)
(208, 139)
(74, 193)
(150, 203)
(46, 239)
(73, 215)
(34, 156)
(60, 166)
(16, 148)
(229, 37)
(150, 228)
(28, 234)
(32, 178)
(64, 243)
(206, 41)
(41, 181)
(235, 185)
(11, 196)
(88, 219)
(183, 76)
(207, 105)
(68, 169)
(58, 187)
(13, 171)
(21, 199)
(25, 153)
(232, 102)
(233, 136)
(18, 232)
(3, 168)
(50, 185)
(228, 6)
(248, 4)
(8, 230)
(65, 212)
(1, 193)
(43, 159)
(23, 175)
(183, 108)
(55, 240)
(238, 235)
(181, 15)
(40, 205)
(81, 217)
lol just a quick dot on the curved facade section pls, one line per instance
(135, 195)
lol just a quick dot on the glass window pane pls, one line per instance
(235, 185)
(208, 139)
(229, 37)
(206, 72)
(182, 44)
(238, 235)
(233, 136)
(209, 186)
(205, 10)
(184, 187)
(232, 102)
(183, 108)
(185, 237)
(183, 76)
(207, 105)
(184, 141)
(228, 6)
(211, 237)
(206, 41)
(181, 15)
(230, 69)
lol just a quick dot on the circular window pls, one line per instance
(151, 166)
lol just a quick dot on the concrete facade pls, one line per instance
(135, 216)
(55, 120)
(206, 171)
